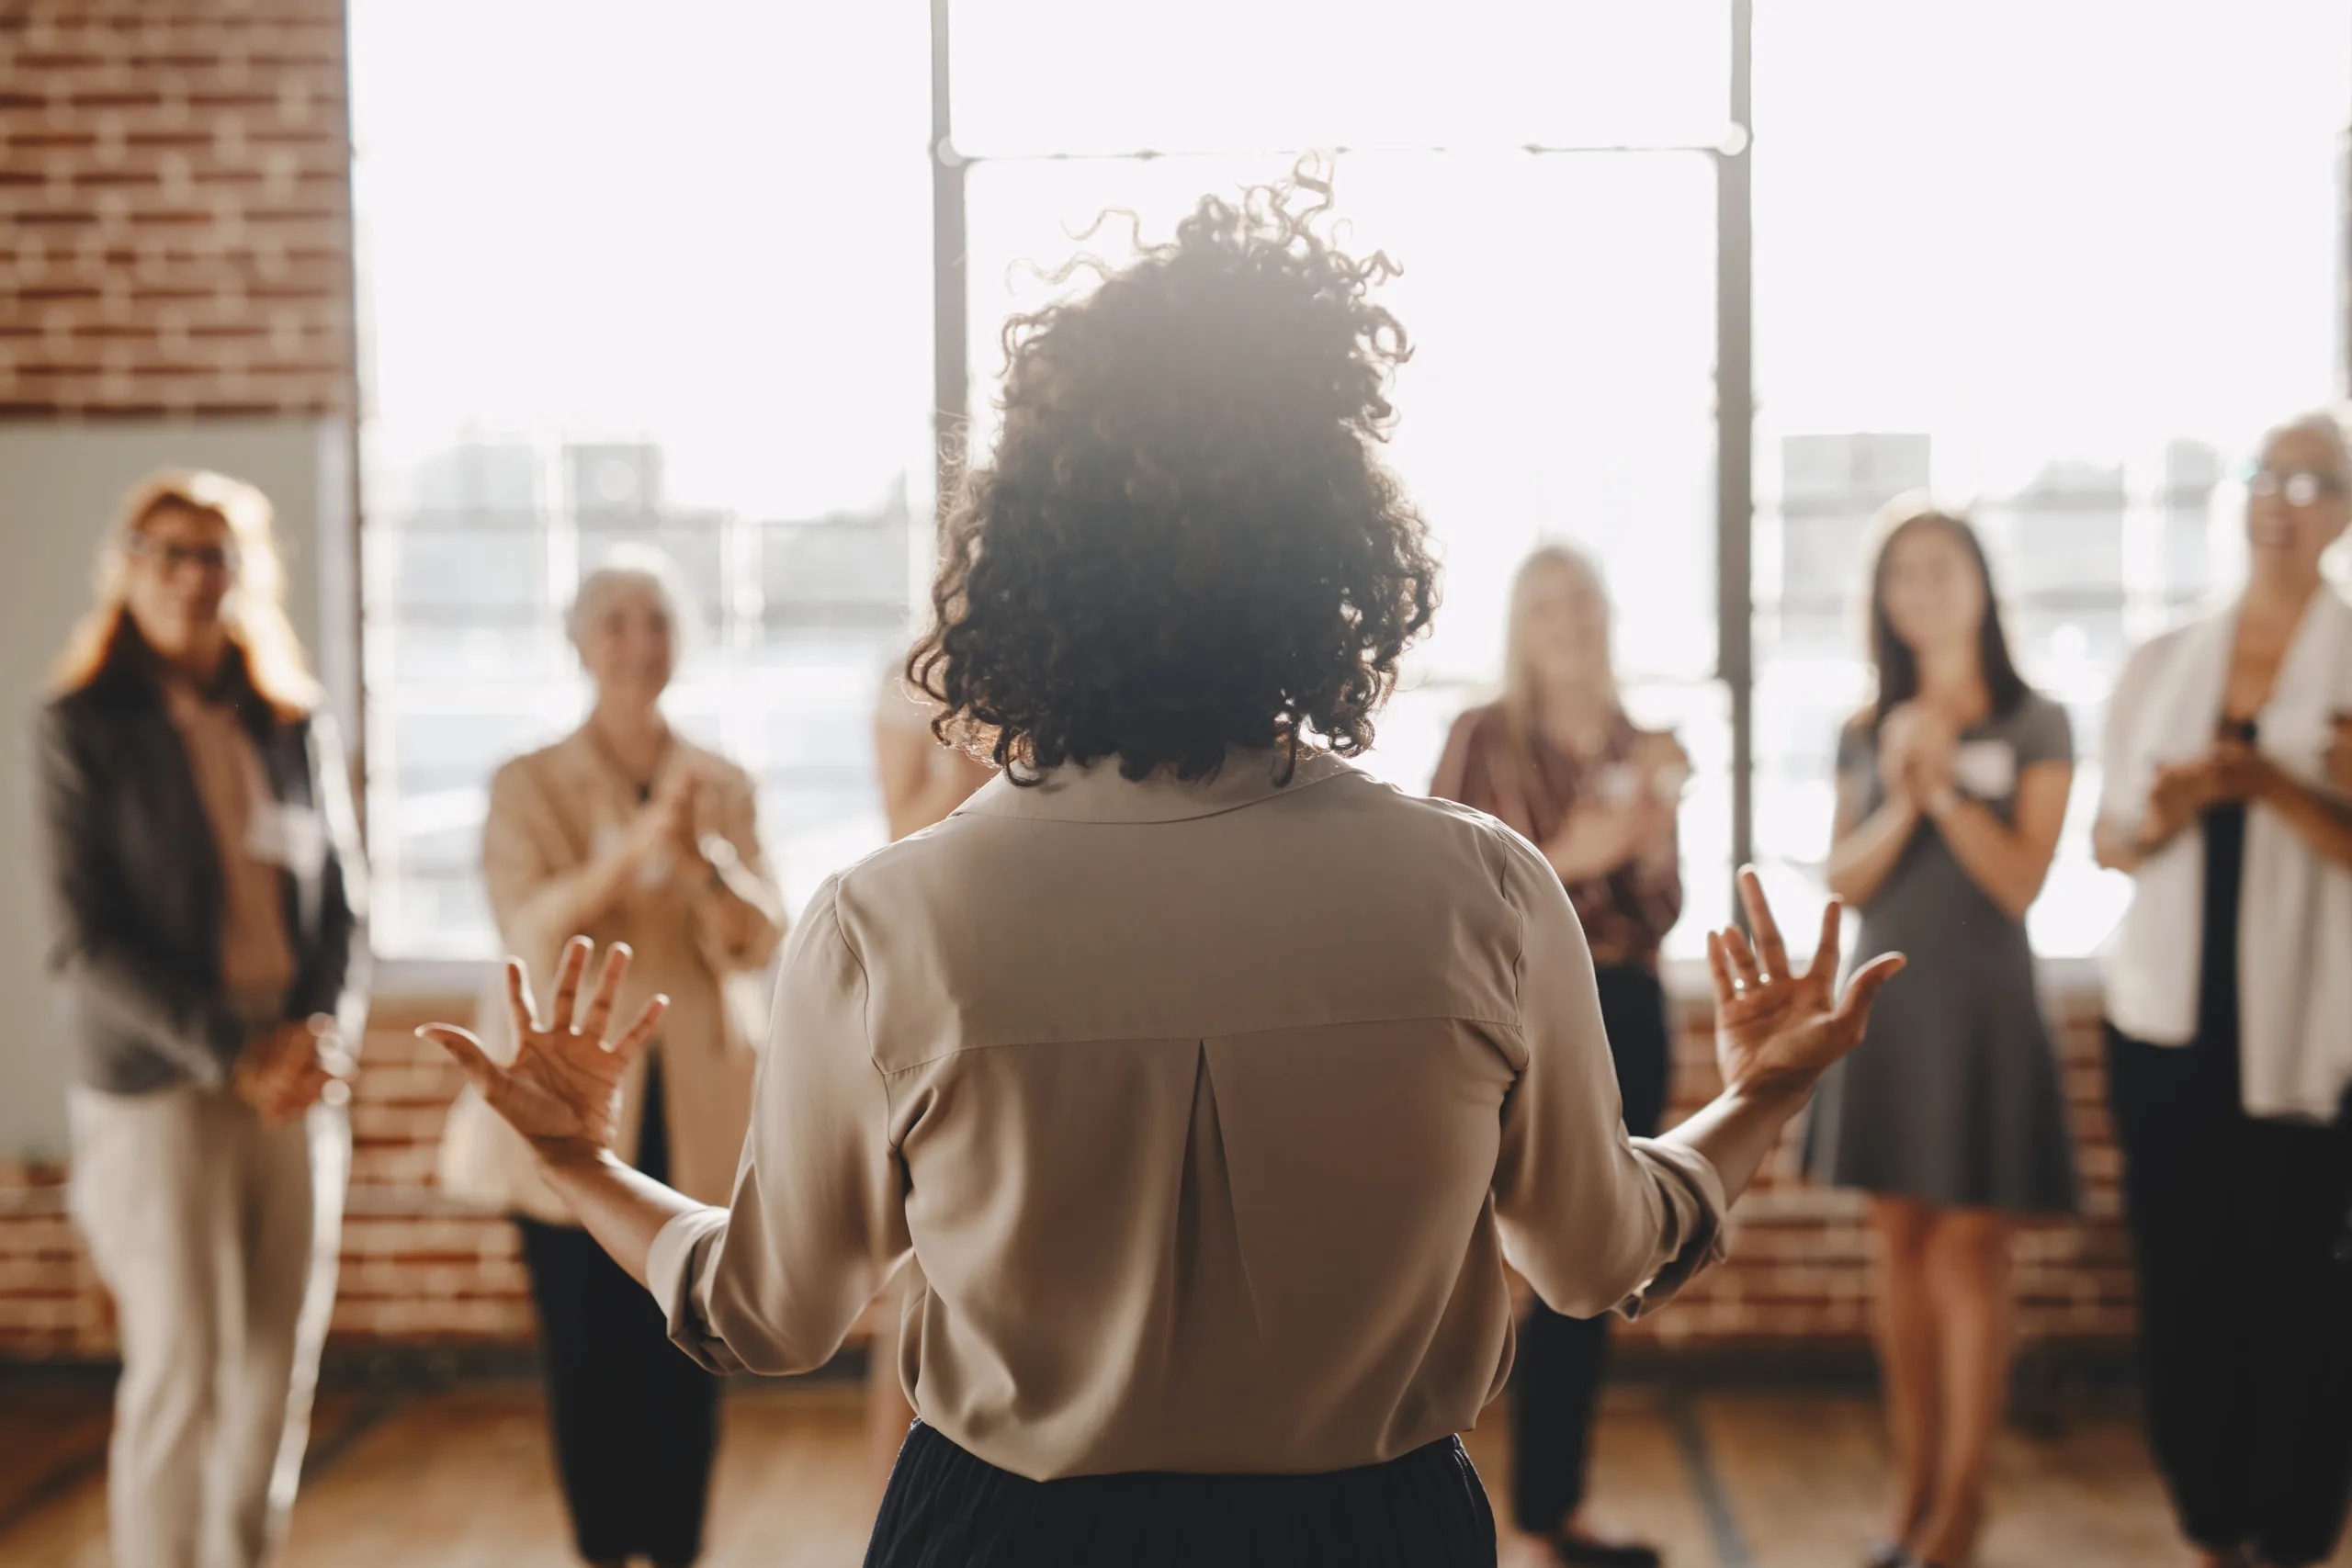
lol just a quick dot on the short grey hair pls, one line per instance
(2327, 425)
(632, 566)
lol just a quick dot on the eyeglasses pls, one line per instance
(2296, 487)
(221, 559)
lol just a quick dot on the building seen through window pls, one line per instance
(2072, 316)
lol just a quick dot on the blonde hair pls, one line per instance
(1519, 661)
(254, 612)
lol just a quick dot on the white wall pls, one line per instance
(59, 487)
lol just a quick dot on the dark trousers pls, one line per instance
(635, 1421)
(948, 1509)
(1556, 1378)
(2246, 1308)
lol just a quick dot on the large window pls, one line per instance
(647, 276)
(2062, 264)
(1543, 176)
(675, 276)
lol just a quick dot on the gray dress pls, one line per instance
(1954, 1095)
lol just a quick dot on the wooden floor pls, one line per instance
(1730, 1479)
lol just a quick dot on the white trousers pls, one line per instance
(217, 1236)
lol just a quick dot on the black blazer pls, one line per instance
(135, 882)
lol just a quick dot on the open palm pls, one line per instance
(562, 1090)
(1776, 1030)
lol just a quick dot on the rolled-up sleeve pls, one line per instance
(772, 1283)
(1595, 1219)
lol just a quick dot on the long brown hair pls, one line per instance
(1897, 664)
(1519, 660)
(253, 613)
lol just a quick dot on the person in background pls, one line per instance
(627, 832)
(1951, 792)
(922, 780)
(1206, 1080)
(2229, 1051)
(207, 901)
(1557, 761)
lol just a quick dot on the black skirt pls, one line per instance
(635, 1421)
(945, 1508)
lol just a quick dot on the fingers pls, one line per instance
(1774, 951)
(1854, 1008)
(1719, 965)
(1742, 958)
(480, 1069)
(519, 1006)
(640, 1032)
(1825, 952)
(568, 971)
(608, 986)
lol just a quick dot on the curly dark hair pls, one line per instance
(1186, 541)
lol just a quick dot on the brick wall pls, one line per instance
(1799, 1268)
(176, 190)
(417, 1271)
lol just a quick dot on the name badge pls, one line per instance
(293, 836)
(1986, 769)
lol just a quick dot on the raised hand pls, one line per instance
(562, 1090)
(1776, 1030)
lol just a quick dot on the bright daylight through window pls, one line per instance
(1940, 299)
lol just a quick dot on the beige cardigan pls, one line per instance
(551, 813)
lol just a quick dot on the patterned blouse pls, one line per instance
(1626, 912)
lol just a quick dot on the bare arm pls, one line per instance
(1864, 849)
(738, 912)
(623, 1209)
(921, 780)
(2009, 862)
(2324, 820)
(1596, 841)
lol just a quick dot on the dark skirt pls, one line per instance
(947, 1508)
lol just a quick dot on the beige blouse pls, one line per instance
(1208, 1114)
(552, 815)
(256, 954)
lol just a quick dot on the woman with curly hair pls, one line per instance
(1205, 1082)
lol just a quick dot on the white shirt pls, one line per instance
(2295, 913)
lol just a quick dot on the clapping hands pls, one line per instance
(290, 1070)
(2232, 771)
(1915, 749)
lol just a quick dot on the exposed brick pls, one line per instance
(189, 166)
(419, 1268)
